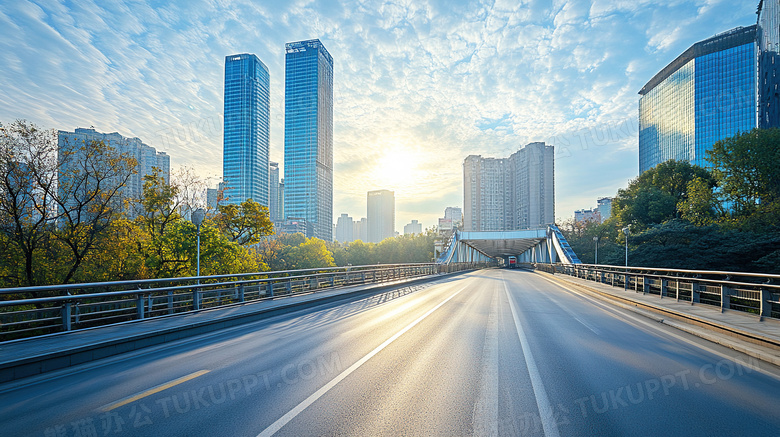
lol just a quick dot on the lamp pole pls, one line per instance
(197, 219)
(596, 240)
(626, 231)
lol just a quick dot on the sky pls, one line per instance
(418, 84)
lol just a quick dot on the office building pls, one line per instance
(345, 228)
(360, 230)
(502, 194)
(275, 201)
(295, 225)
(454, 214)
(247, 129)
(707, 94)
(604, 208)
(413, 228)
(768, 44)
(380, 215)
(147, 160)
(308, 135)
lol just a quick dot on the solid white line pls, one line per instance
(485, 416)
(549, 426)
(284, 420)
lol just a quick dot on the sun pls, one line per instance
(395, 168)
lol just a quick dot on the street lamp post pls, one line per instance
(197, 219)
(626, 231)
(596, 240)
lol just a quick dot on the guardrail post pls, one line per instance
(66, 316)
(241, 293)
(664, 284)
(645, 285)
(139, 305)
(288, 286)
(766, 306)
(332, 280)
(196, 299)
(725, 297)
(625, 281)
(270, 286)
(695, 297)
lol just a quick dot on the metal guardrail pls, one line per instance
(59, 308)
(755, 293)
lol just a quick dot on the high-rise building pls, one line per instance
(360, 230)
(413, 228)
(708, 93)
(381, 215)
(274, 202)
(345, 228)
(768, 44)
(455, 214)
(604, 208)
(587, 215)
(502, 194)
(247, 129)
(148, 158)
(308, 135)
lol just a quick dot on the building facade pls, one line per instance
(380, 215)
(587, 215)
(275, 201)
(708, 93)
(605, 208)
(147, 158)
(413, 228)
(246, 141)
(308, 135)
(502, 194)
(345, 228)
(360, 230)
(768, 45)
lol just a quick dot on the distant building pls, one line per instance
(381, 215)
(246, 143)
(214, 196)
(502, 194)
(274, 201)
(147, 157)
(705, 95)
(455, 214)
(345, 228)
(768, 45)
(294, 226)
(308, 135)
(605, 208)
(360, 230)
(587, 215)
(413, 228)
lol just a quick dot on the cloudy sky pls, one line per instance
(419, 84)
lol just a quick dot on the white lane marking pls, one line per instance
(573, 315)
(652, 325)
(151, 391)
(485, 416)
(284, 420)
(549, 427)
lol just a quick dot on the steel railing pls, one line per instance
(755, 293)
(30, 311)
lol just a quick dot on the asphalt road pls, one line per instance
(492, 352)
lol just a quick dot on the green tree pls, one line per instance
(244, 224)
(746, 168)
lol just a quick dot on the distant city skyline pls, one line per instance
(418, 87)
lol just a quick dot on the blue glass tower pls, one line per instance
(708, 93)
(308, 136)
(247, 132)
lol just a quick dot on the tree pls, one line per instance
(56, 203)
(655, 195)
(244, 224)
(746, 168)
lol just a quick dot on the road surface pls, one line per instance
(491, 352)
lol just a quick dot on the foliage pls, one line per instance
(294, 251)
(244, 224)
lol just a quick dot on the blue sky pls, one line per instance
(419, 85)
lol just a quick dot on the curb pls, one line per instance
(654, 312)
(36, 365)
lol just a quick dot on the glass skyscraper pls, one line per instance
(308, 135)
(768, 39)
(246, 136)
(708, 93)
